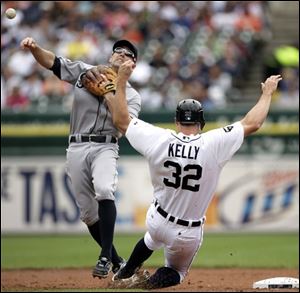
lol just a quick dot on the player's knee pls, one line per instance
(164, 277)
(89, 218)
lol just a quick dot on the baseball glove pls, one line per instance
(101, 88)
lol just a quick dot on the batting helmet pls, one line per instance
(190, 111)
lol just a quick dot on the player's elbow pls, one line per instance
(251, 128)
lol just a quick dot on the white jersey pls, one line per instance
(184, 169)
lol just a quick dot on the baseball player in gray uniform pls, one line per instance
(93, 147)
(184, 167)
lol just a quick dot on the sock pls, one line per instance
(95, 232)
(107, 215)
(139, 254)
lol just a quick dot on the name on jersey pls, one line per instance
(183, 151)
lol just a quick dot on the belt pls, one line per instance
(93, 138)
(179, 221)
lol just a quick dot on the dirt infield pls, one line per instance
(198, 280)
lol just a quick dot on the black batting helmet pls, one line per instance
(190, 111)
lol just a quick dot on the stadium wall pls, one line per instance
(252, 195)
(258, 189)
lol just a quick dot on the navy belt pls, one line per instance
(172, 218)
(93, 138)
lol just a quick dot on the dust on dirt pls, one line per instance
(198, 280)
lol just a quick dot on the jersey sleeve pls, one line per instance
(134, 104)
(226, 141)
(143, 136)
(71, 70)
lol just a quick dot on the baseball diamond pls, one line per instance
(198, 280)
(150, 146)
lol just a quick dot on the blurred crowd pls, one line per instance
(186, 48)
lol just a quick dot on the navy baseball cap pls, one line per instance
(127, 44)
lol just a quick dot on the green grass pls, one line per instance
(250, 250)
(218, 250)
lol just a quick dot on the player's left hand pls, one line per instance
(100, 80)
(94, 74)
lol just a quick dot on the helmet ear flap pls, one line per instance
(202, 122)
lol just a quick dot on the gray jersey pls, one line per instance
(90, 114)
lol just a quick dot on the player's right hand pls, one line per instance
(270, 85)
(28, 43)
(126, 69)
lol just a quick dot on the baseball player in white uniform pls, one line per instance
(93, 147)
(184, 169)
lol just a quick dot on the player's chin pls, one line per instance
(118, 63)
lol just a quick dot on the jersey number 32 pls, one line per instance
(192, 172)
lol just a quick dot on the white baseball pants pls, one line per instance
(180, 243)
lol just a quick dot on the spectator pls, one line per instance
(179, 40)
(3, 93)
(16, 100)
(32, 87)
(219, 85)
(25, 60)
(248, 22)
(288, 95)
(55, 90)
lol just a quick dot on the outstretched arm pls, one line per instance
(255, 118)
(117, 103)
(42, 56)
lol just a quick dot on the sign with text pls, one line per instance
(252, 194)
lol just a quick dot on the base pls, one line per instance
(279, 282)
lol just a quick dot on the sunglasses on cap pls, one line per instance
(127, 52)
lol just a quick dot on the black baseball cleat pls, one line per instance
(102, 268)
(117, 266)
